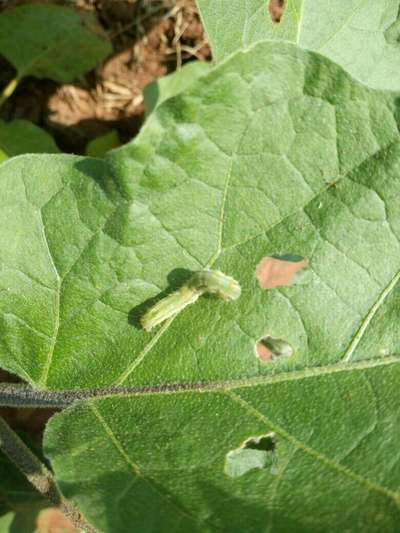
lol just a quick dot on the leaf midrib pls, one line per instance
(369, 317)
(67, 397)
(57, 292)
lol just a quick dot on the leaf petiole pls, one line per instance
(38, 474)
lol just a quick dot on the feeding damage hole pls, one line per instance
(276, 9)
(269, 349)
(281, 271)
(255, 453)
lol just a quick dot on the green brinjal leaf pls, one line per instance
(275, 153)
(48, 41)
(361, 35)
(22, 137)
(253, 161)
(155, 461)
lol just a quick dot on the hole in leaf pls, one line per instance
(263, 442)
(276, 9)
(280, 271)
(269, 349)
(255, 453)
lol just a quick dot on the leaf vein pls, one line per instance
(211, 386)
(369, 316)
(46, 368)
(136, 468)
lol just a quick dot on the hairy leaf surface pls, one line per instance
(155, 461)
(294, 168)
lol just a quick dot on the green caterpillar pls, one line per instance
(211, 281)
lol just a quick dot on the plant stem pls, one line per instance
(22, 396)
(37, 473)
(9, 89)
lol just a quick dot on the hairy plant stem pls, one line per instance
(39, 475)
(24, 396)
(9, 89)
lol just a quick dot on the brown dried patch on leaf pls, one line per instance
(263, 352)
(276, 9)
(274, 272)
(269, 349)
(52, 520)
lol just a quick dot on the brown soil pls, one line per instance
(149, 38)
